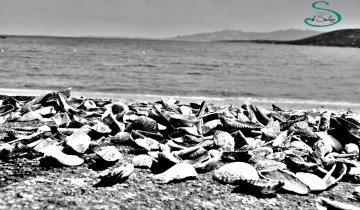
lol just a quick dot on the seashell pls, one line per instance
(128, 116)
(356, 193)
(297, 163)
(327, 204)
(224, 141)
(115, 126)
(302, 128)
(199, 126)
(333, 141)
(211, 126)
(271, 130)
(157, 136)
(180, 131)
(62, 119)
(87, 104)
(190, 152)
(119, 173)
(185, 110)
(352, 148)
(236, 124)
(168, 104)
(277, 156)
(100, 127)
(6, 150)
(63, 104)
(41, 143)
(262, 186)
(179, 171)
(314, 182)
(31, 116)
(337, 172)
(117, 107)
(55, 153)
(354, 175)
(178, 120)
(79, 141)
(147, 143)
(143, 161)
(260, 116)
(251, 115)
(321, 148)
(261, 152)
(324, 123)
(242, 117)
(210, 163)
(48, 110)
(145, 124)
(109, 154)
(291, 183)
(235, 171)
(237, 156)
(121, 138)
(282, 139)
(268, 165)
(5, 109)
(302, 146)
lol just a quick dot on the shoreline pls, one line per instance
(286, 104)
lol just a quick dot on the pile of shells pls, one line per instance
(266, 150)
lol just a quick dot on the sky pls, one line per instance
(164, 18)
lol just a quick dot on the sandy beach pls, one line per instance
(285, 104)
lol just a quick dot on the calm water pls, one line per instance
(220, 70)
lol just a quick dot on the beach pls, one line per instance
(28, 183)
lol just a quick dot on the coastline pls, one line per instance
(286, 104)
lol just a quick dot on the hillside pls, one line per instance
(285, 35)
(338, 38)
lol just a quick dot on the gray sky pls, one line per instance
(163, 18)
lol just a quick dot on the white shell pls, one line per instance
(224, 140)
(334, 142)
(232, 172)
(292, 183)
(352, 148)
(42, 143)
(143, 161)
(78, 141)
(56, 153)
(314, 182)
(110, 154)
(121, 172)
(325, 204)
(147, 143)
(178, 172)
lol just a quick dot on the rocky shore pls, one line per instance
(63, 152)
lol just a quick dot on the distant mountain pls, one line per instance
(339, 38)
(290, 34)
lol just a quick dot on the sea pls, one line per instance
(286, 75)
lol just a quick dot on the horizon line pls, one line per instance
(150, 38)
